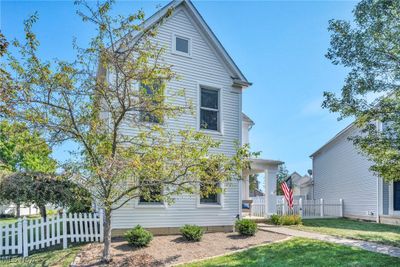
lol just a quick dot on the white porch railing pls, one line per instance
(26, 235)
(257, 208)
(304, 208)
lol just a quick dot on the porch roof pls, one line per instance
(260, 165)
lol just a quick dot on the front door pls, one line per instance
(396, 196)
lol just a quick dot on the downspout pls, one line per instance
(379, 126)
(240, 181)
(377, 200)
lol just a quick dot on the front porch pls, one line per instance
(269, 168)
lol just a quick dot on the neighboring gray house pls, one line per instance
(206, 71)
(340, 171)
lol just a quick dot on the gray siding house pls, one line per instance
(340, 171)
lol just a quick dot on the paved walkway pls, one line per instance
(370, 246)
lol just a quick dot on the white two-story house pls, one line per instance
(206, 72)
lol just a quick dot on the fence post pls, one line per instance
(341, 207)
(301, 207)
(283, 206)
(25, 238)
(19, 235)
(101, 219)
(64, 227)
(322, 207)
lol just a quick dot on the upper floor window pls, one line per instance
(181, 45)
(209, 109)
(151, 96)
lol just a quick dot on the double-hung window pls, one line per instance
(151, 98)
(209, 197)
(210, 109)
(151, 195)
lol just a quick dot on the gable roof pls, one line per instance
(247, 119)
(238, 78)
(347, 128)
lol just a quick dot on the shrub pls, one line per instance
(246, 227)
(276, 219)
(286, 219)
(51, 212)
(290, 220)
(138, 237)
(192, 232)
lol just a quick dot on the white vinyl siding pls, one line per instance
(203, 67)
(341, 172)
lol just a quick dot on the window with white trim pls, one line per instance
(207, 197)
(152, 94)
(151, 195)
(209, 109)
(181, 45)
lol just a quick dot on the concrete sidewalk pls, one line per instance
(366, 245)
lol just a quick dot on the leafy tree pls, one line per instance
(370, 49)
(42, 189)
(21, 150)
(281, 176)
(253, 182)
(13, 191)
(91, 104)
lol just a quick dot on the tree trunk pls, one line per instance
(18, 210)
(107, 236)
(43, 212)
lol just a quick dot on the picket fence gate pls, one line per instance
(26, 235)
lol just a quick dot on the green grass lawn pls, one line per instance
(302, 252)
(14, 219)
(53, 257)
(380, 233)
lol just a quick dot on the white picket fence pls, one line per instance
(304, 208)
(27, 235)
(311, 208)
(257, 208)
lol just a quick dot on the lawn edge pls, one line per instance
(343, 237)
(287, 238)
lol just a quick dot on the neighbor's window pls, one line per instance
(152, 95)
(182, 45)
(151, 195)
(209, 109)
(209, 198)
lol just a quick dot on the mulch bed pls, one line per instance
(173, 249)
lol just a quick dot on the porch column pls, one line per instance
(270, 191)
(266, 193)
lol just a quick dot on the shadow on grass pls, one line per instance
(45, 257)
(360, 230)
(303, 252)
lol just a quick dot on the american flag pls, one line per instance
(288, 194)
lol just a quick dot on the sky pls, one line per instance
(278, 45)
